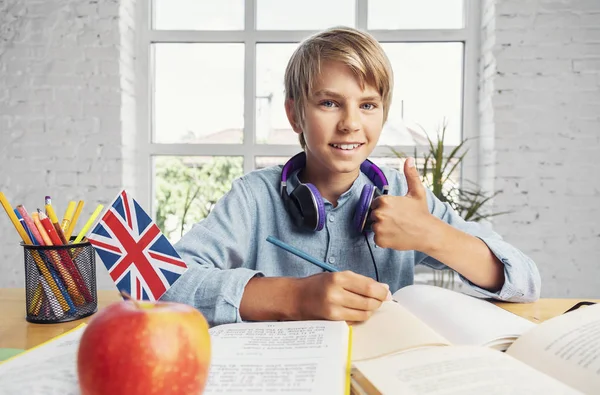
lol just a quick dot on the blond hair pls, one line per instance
(356, 49)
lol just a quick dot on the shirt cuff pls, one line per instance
(520, 283)
(234, 290)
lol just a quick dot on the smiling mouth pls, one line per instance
(346, 147)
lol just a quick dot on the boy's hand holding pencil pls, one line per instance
(334, 295)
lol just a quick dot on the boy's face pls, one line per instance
(342, 121)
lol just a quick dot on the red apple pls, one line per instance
(140, 347)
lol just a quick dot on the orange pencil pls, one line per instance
(49, 228)
(36, 257)
(64, 273)
(64, 256)
(48, 258)
(37, 239)
(36, 220)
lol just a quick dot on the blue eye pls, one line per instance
(368, 106)
(328, 103)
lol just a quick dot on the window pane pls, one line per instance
(427, 92)
(394, 163)
(272, 126)
(411, 14)
(199, 14)
(199, 93)
(398, 164)
(303, 15)
(187, 188)
(268, 161)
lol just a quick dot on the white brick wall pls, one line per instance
(66, 95)
(540, 124)
(127, 75)
(68, 124)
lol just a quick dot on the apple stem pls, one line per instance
(128, 297)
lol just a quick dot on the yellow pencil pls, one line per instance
(54, 220)
(36, 300)
(88, 224)
(68, 216)
(74, 220)
(35, 254)
(13, 218)
(58, 264)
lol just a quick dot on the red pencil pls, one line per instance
(49, 229)
(64, 255)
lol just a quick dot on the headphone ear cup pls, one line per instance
(362, 210)
(293, 209)
(310, 206)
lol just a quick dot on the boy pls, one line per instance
(338, 92)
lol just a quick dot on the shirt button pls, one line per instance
(331, 218)
(331, 260)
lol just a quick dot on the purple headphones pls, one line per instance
(306, 206)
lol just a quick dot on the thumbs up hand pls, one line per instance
(403, 222)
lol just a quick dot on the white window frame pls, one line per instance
(249, 150)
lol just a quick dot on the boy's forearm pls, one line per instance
(268, 299)
(466, 254)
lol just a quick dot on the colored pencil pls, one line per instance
(64, 257)
(301, 254)
(36, 257)
(74, 220)
(88, 224)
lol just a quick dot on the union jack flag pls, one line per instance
(139, 258)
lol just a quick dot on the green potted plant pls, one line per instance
(437, 170)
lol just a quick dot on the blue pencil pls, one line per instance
(301, 254)
(50, 267)
(24, 225)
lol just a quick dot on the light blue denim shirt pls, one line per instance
(229, 247)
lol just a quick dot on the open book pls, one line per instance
(424, 315)
(305, 357)
(430, 340)
(437, 341)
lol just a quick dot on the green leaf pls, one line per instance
(438, 168)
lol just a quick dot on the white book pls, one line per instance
(429, 340)
(437, 341)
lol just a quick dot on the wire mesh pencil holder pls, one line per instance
(60, 282)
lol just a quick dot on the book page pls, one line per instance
(463, 319)
(456, 370)
(301, 357)
(566, 347)
(48, 369)
(391, 329)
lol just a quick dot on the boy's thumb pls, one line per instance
(413, 178)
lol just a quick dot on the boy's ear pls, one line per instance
(291, 115)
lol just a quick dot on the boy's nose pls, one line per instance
(350, 121)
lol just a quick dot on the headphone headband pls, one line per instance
(296, 162)
(375, 174)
